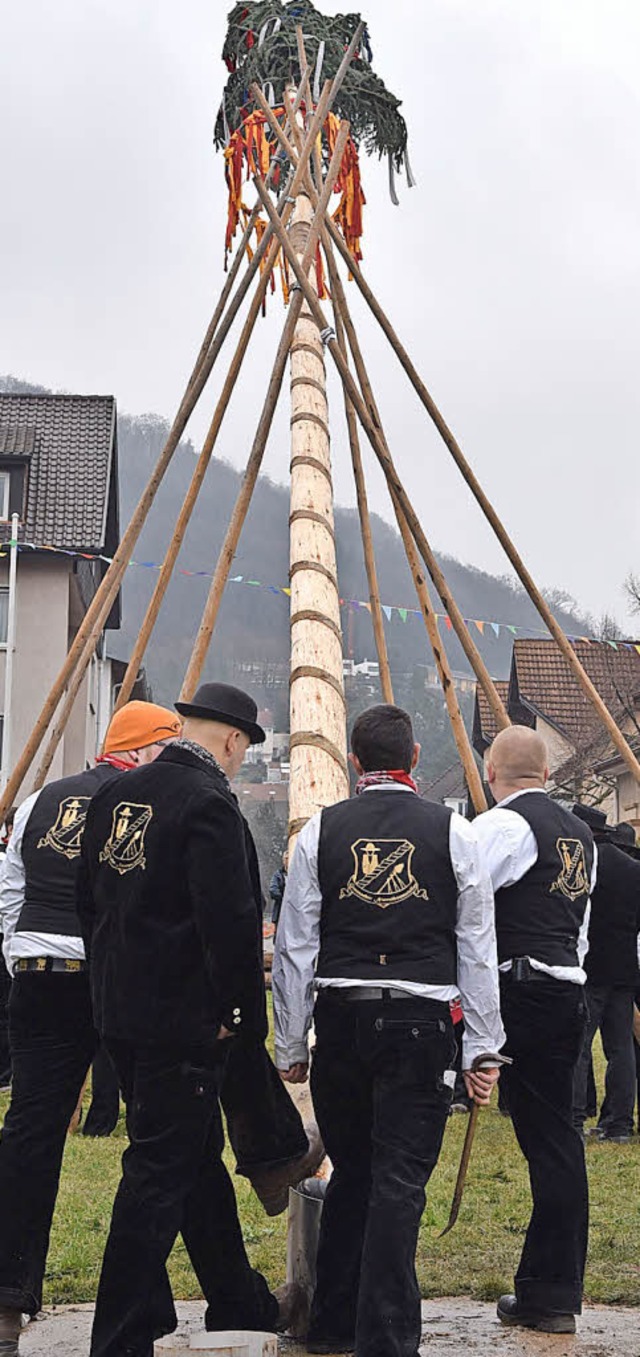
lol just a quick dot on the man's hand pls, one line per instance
(296, 1074)
(480, 1084)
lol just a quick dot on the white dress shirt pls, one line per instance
(509, 850)
(298, 943)
(12, 896)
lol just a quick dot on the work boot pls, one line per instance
(272, 1185)
(294, 1304)
(10, 1326)
(511, 1312)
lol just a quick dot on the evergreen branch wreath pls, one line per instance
(261, 46)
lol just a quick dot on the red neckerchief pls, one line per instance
(383, 778)
(114, 762)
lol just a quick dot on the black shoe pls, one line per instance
(510, 1312)
(615, 1140)
(325, 1346)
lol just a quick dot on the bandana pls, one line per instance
(385, 777)
(115, 762)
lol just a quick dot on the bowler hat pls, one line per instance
(222, 702)
(594, 818)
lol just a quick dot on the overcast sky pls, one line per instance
(512, 272)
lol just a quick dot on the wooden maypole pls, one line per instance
(319, 773)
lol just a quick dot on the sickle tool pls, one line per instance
(480, 1062)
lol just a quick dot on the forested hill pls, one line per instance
(253, 623)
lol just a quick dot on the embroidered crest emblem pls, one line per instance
(382, 873)
(124, 849)
(573, 880)
(65, 836)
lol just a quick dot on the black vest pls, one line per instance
(389, 895)
(51, 852)
(541, 915)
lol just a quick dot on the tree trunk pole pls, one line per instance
(381, 450)
(386, 684)
(490, 513)
(83, 648)
(319, 770)
(229, 546)
(354, 441)
(460, 734)
(327, 98)
(181, 526)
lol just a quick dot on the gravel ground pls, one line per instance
(451, 1327)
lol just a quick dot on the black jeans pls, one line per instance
(382, 1105)
(545, 1023)
(102, 1117)
(173, 1182)
(52, 1045)
(5, 990)
(611, 1010)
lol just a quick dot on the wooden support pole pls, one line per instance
(83, 646)
(92, 627)
(386, 685)
(173, 549)
(285, 206)
(490, 513)
(229, 546)
(384, 457)
(526, 579)
(459, 730)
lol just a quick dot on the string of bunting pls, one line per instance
(486, 628)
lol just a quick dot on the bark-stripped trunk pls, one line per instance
(319, 774)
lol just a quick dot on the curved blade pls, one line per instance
(462, 1171)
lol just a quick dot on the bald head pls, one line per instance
(517, 760)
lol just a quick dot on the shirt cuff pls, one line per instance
(472, 1047)
(296, 1054)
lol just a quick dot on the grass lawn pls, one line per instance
(477, 1258)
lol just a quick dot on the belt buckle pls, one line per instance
(521, 969)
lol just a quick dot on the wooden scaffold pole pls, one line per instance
(238, 516)
(491, 514)
(459, 730)
(83, 647)
(202, 464)
(371, 426)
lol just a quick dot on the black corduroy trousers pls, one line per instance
(545, 1023)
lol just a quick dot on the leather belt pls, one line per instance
(42, 964)
(356, 993)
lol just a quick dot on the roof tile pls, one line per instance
(70, 441)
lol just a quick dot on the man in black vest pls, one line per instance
(387, 895)
(611, 965)
(542, 864)
(170, 905)
(52, 1034)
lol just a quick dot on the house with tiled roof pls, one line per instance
(59, 475)
(543, 693)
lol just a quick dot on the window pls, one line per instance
(5, 488)
(4, 615)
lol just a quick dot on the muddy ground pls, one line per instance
(451, 1328)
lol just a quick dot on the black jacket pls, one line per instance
(612, 958)
(169, 905)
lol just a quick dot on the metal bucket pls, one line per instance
(305, 1211)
